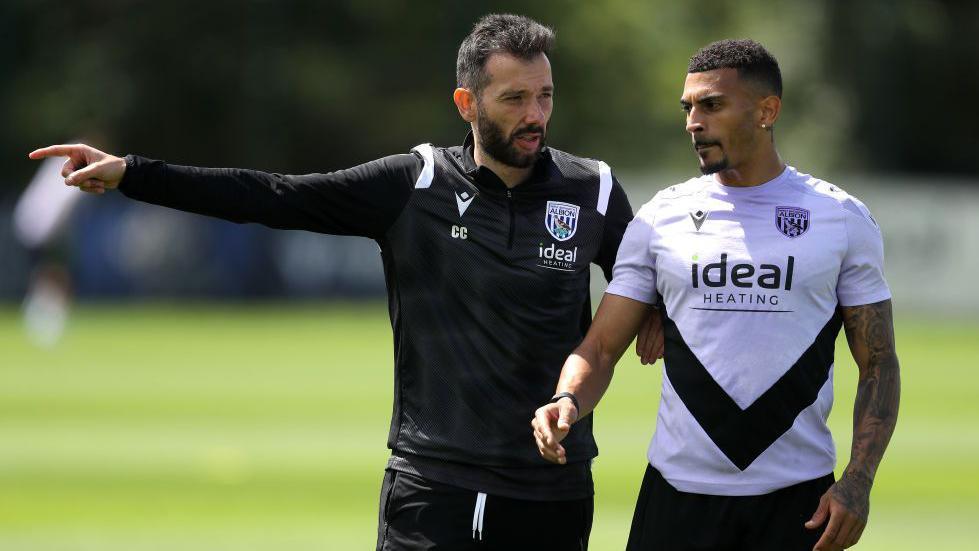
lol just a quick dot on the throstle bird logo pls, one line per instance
(792, 221)
(561, 220)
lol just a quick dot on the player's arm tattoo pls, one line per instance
(870, 334)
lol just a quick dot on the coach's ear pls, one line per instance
(465, 102)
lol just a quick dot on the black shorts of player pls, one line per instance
(420, 514)
(670, 520)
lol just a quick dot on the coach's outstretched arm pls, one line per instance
(588, 371)
(363, 200)
(870, 334)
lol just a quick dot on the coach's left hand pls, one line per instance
(649, 341)
(846, 504)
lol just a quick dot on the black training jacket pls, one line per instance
(488, 291)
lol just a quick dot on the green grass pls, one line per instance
(264, 427)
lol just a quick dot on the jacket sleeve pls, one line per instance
(617, 217)
(364, 200)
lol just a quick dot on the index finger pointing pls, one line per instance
(54, 151)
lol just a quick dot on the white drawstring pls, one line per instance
(478, 515)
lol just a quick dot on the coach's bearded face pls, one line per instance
(518, 148)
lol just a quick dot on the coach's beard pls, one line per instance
(502, 148)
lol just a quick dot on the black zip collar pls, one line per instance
(484, 178)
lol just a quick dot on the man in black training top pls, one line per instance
(486, 250)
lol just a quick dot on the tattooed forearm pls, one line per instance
(870, 334)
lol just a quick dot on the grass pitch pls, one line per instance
(263, 427)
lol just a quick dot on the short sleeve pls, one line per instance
(862, 273)
(616, 221)
(634, 274)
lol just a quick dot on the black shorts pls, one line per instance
(670, 520)
(418, 514)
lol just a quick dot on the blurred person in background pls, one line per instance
(757, 265)
(39, 220)
(486, 250)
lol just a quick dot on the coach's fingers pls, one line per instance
(94, 171)
(69, 167)
(641, 344)
(650, 338)
(92, 186)
(61, 150)
(644, 341)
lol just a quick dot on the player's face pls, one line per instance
(721, 119)
(514, 108)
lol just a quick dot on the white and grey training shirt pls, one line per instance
(750, 279)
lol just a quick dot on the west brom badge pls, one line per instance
(561, 220)
(791, 221)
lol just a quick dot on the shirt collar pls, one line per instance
(542, 169)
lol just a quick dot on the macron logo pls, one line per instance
(463, 200)
(698, 218)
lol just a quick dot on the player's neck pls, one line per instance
(755, 171)
(510, 175)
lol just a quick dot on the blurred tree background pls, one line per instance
(301, 86)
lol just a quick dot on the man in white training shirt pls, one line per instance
(758, 266)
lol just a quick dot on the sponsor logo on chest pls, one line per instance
(768, 278)
(555, 258)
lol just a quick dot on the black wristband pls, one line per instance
(574, 399)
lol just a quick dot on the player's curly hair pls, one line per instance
(516, 35)
(750, 58)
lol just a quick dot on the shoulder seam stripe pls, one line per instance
(428, 171)
(605, 186)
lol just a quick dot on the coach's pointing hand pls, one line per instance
(88, 168)
(551, 424)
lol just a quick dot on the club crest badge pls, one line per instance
(561, 220)
(791, 221)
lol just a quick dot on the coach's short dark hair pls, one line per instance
(516, 35)
(750, 58)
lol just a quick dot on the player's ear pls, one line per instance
(465, 101)
(768, 110)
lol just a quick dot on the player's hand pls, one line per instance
(846, 504)
(88, 168)
(649, 342)
(551, 424)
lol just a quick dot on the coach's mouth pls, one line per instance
(530, 142)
